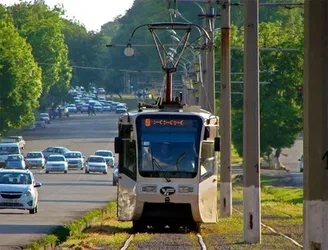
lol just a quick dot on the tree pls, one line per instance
(20, 77)
(280, 113)
(42, 28)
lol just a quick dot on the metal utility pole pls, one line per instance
(315, 217)
(251, 125)
(203, 82)
(225, 114)
(210, 67)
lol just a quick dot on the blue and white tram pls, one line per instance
(168, 167)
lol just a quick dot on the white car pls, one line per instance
(96, 164)
(72, 108)
(35, 159)
(75, 159)
(84, 108)
(45, 117)
(108, 155)
(15, 161)
(56, 163)
(18, 190)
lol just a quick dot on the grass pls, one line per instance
(281, 209)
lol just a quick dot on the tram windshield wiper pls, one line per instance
(179, 159)
(153, 160)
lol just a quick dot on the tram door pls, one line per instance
(208, 184)
(126, 196)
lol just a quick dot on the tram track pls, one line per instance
(167, 241)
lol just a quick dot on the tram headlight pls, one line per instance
(149, 189)
(186, 189)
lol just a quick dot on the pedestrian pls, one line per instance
(89, 110)
(93, 110)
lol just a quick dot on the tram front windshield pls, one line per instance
(168, 146)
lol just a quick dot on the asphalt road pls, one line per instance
(63, 197)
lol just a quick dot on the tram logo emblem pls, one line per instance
(167, 191)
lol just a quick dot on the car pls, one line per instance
(98, 107)
(106, 106)
(75, 159)
(84, 108)
(115, 175)
(56, 163)
(15, 161)
(14, 139)
(7, 149)
(55, 151)
(18, 190)
(40, 123)
(120, 110)
(101, 91)
(45, 117)
(101, 99)
(72, 108)
(301, 160)
(108, 155)
(35, 159)
(96, 164)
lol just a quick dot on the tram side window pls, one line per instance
(207, 160)
(129, 166)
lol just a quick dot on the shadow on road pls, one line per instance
(76, 184)
(75, 201)
(26, 229)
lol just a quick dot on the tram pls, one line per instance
(167, 166)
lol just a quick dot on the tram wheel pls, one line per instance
(139, 226)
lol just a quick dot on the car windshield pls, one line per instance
(14, 158)
(15, 178)
(5, 150)
(34, 155)
(44, 115)
(73, 155)
(96, 159)
(56, 158)
(104, 153)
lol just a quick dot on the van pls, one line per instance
(8, 149)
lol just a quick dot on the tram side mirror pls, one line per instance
(117, 145)
(217, 144)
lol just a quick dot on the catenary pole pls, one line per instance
(225, 113)
(251, 124)
(315, 216)
(210, 60)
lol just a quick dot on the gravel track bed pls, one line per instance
(170, 241)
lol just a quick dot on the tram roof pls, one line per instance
(186, 110)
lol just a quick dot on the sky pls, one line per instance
(92, 13)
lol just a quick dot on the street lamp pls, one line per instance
(129, 51)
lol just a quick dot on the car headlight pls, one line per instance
(149, 189)
(186, 189)
(28, 193)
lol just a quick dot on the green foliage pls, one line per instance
(20, 77)
(280, 113)
(42, 28)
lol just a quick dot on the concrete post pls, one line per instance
(202, 85)
(225, 114)
(251, 125)
(315, 216)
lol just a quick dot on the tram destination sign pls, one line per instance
(150, 122)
